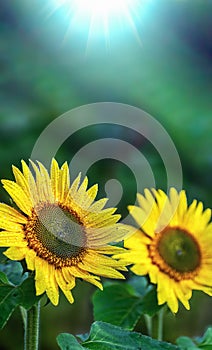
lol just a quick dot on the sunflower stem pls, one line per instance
(23, 315)
(160, 324)
(148, 321)
(31, 337)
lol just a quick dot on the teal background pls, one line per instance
(168, 74)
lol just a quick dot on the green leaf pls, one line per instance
(121, 305)
(204, 343)
(14, 271)
(9, 299)
(3, 278)
(150, 303)
(186, 343)
(140, 284)
(68, 342)
(3, 258)
(28, 293)
(104, 336)
(13, 296)
(118, 305)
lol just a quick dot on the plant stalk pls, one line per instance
(31, 337)
(160, 323)
(148, 320)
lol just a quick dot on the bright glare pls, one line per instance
(103, 8)
(96, 18)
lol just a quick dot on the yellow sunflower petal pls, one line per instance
(147, 201)
(5, 224)
(186, 288)
(166, 211)
(97, 218)
(51, 285)
(90, 197)
(188, 217)
(11, 214)
(105, 271)
(42, 183)
(161, 198)
(18, 195)
(103, 220)
(68, 277)
(206, 216)
(128, 258)
(12, 239)
(166, 293)
(74, 186)
(86, 198)
(47, 189)
(55, 175)
(181, 296)
(98, 237)
(174, 204)
(103, 260)
(80, 273)
(64, 183)
(21, 180)
(174, 197)
(68, 295)
(153, 273)
(161, 291)
(15, 253)
(182, 207)
(137, 240)
(41, 272)
(40, 286)
(172, 300)
(138, 214)
(30, 259)
(110, 250)
(82, 189)
(98, 206)
(64, 286)
(204, 279)
(31, 183)
(139, 269)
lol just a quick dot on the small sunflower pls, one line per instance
(60, 231)
(173, 245)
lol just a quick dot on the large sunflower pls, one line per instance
(60, 231)
(173, 245)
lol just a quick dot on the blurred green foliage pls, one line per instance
(169, 76)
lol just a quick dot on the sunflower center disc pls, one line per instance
(179, 250)
(60, 231)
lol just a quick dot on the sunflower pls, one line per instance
(60, 231)
(173, 245)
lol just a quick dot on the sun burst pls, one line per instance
(99, 18)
